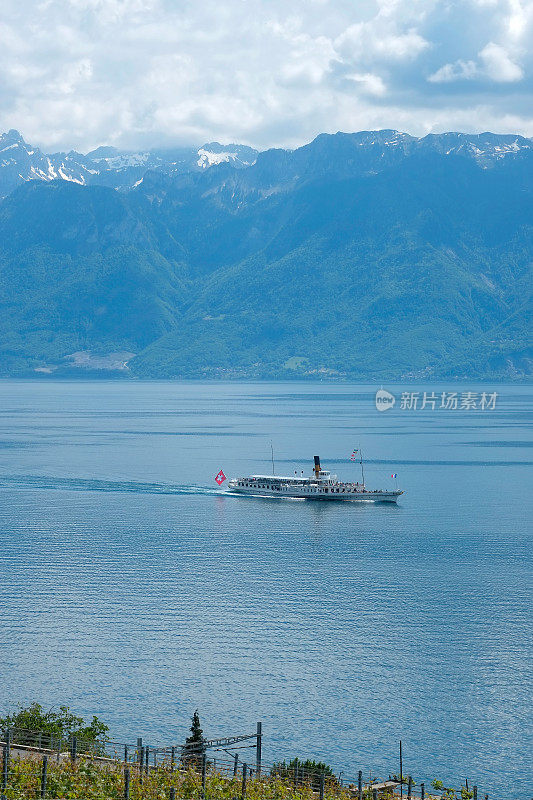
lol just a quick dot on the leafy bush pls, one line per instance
(447, 792)
(305, 768)
(304, 772)
(61, 724)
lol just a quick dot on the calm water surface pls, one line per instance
(133, 589)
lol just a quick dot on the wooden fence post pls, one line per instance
(204, 767)
(146, 757)
(125, 753)
(244, 776)
(422, 792)
(7, 754)
(172, 793)
(43, 776)
(235, 764)
(126, 784)
(5, 767)
(139, 748)
(409, 788)
(141, 764)
(360, 785)
(258, 748)
(5, 761)
(321, 786)
(475, 792)
(374, 794)
(172, 758)
(401, 770)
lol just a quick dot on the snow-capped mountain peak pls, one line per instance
(365, 152)
(207, 159)
(120, 169)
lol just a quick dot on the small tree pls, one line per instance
(194, 744)
(61, 724)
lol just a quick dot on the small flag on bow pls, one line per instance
(354, 453)
(220, 478)
(394, 475)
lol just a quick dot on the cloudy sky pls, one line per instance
(134, 73)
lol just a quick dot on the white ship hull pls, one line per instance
(319, 493)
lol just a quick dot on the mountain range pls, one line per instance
(107, 166)
(374, 255)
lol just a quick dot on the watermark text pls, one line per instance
(433, 401)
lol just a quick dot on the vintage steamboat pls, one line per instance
(321, 485)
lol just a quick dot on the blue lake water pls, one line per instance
(133, 589)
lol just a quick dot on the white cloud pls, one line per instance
(460, 70)
(71, 77)
(366, 41)
(498, 66)
(135, 73)
(494, 63)
(520, 20)
(309, 58)
(372, 84)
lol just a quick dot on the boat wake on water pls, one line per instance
(49, 483)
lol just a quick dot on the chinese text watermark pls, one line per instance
(450, 401)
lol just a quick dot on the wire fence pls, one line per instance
(44, 765)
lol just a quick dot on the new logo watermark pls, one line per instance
(384, 400)
(450, 401)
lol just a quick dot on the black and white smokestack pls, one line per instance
(317, 465)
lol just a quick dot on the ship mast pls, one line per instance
(362, 470)
(272, 454)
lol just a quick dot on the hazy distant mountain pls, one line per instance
(107, 166)
(19, 162)
(371, 255)
(353, 153)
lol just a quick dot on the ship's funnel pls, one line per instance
(317, 465)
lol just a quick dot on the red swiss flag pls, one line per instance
(220, 478)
